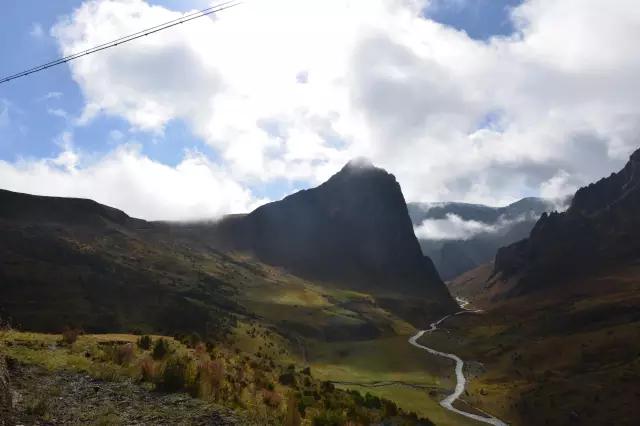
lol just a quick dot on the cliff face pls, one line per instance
(601, 229)
(353, 230)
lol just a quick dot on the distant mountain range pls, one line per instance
(459, 236)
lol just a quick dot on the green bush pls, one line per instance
(174, 376)
(160, 349)
(145, 343)
(329, 418)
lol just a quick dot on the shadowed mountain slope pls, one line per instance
(74, 262)
(600, 230)
(78, 263)
(354, 230)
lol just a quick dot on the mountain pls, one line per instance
(352, 231)
(496, 227)
(74, 262)
(600, 230)
(562, 311)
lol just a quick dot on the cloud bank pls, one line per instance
(192, 190)
(454, 227)
(290, 89)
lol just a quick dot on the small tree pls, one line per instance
(174, 376)
(160, 349)
(145, 343)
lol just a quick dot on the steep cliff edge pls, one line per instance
(353, 230)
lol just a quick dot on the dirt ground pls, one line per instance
(40, 397)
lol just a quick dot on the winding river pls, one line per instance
(461, 381)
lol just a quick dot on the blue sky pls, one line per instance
(42, 106)
(480, 19)
(454, 111)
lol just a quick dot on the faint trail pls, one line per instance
(386, 383)
(461, 381)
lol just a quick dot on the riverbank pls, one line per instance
(461, 381)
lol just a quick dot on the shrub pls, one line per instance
(287, 379)
(201, 350)
(125, 354)
(70, 335)
(145, 343)
(390, 409)
(271, 398)
(160, 349)
(148, 369)
(5, 324)
(371, 401)
(192, 340)
(329, 418)
(174, 376)
(211, 377)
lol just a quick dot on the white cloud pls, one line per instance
(453, 227)
(49, 96)
(127, 179)
(36, 30)
(559, 186)
(58, 112)
(381, 81)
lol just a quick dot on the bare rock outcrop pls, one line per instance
(5, 394)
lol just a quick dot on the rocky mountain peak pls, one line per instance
(609, 190)
(353, 230)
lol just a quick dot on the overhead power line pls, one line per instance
(143, 33)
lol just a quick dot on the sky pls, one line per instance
(484, 101)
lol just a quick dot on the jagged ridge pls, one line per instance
(601, 228)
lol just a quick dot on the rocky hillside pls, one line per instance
(6, 399)
(354, 230)
(490, 228)
(601, 229)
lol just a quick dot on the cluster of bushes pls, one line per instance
(274, 393)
